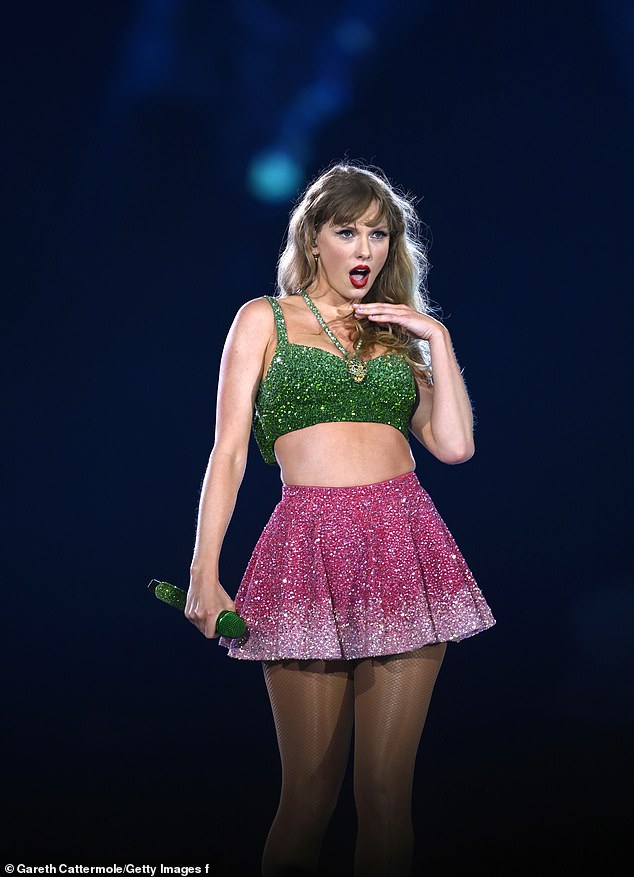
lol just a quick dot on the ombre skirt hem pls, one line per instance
(355, 572)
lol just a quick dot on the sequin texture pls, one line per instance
(307, 385)
(352, 572)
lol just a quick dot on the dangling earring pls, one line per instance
(315, 257)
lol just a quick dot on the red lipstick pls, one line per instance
(359, 276)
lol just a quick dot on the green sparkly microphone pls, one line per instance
(228, 623)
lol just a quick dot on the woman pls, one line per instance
(355, 585)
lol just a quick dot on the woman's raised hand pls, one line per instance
(422, 325)
(206, 599)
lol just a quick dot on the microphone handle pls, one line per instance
(228, 623)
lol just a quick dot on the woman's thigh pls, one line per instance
(313, 709)
(392, 696)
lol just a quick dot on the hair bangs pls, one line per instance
(345, 205)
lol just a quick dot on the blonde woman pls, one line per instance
(355, 585)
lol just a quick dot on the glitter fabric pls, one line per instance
(351, 572)
(307, 385)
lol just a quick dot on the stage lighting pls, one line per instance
(274, 176)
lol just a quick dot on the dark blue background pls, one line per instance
(131, 240)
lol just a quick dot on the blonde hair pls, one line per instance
(340, 195)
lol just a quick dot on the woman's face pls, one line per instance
(351, 256)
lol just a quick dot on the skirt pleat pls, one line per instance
(354, 572)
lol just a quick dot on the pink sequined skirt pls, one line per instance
(352, 572)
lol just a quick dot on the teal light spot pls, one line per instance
(274, 176)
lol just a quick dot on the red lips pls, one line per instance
(359, 276)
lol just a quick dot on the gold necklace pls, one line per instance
(357, 367)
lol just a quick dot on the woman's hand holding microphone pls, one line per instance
(206, 599)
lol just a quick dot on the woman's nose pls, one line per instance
(363, 247)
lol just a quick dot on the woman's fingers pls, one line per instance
(204, 605)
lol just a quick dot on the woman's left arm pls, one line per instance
(443, 419)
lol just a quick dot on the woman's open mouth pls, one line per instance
(359, 276)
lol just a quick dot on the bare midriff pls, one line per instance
(343, 454)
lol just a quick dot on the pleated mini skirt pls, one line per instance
(355, 572)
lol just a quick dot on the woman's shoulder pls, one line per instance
(259, 311)
(254, 322)
(255, 313)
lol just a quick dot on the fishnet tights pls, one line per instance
(315, 704)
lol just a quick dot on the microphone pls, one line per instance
(228, 623)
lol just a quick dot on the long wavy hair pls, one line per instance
(340, 195)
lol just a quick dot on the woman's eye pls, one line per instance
(347, 233)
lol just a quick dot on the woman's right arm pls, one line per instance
(239, 378)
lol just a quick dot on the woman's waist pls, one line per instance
(397, 480)
(347, 454)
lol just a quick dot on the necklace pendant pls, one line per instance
(357, 368)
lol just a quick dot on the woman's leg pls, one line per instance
(313, 709)
(392, 696)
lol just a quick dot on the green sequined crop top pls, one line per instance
(307, 385)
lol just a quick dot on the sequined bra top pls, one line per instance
(307, 385)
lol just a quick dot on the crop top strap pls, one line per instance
(280, 325)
